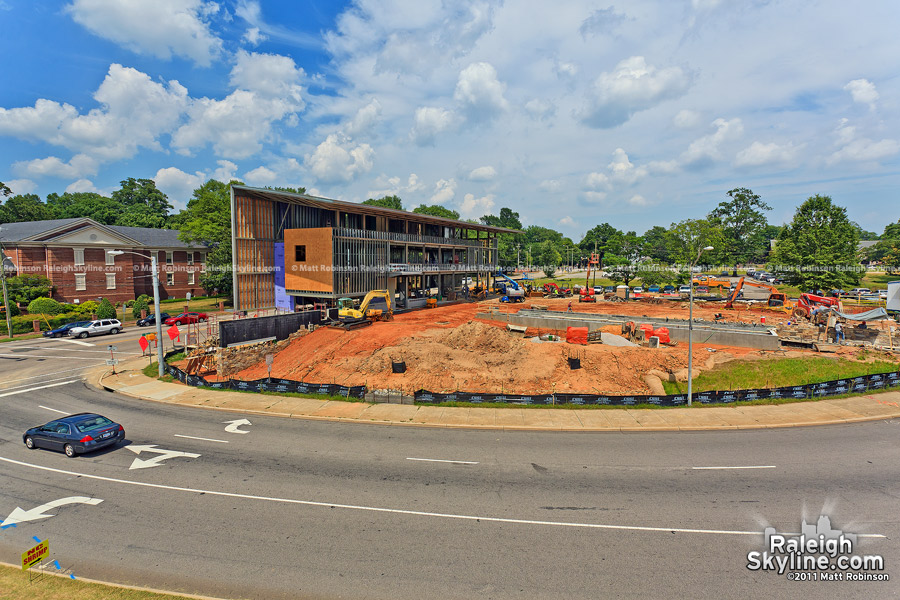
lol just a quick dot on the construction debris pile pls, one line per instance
(236, 359)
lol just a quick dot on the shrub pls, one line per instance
(138, 306)
(148, 300)
(45, 306)
(89, 307)
(106, 310)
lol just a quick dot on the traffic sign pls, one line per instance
(35, 555)
(112, 361)
(143, 343)
(111, 348)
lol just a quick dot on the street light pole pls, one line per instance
(691, 325)
(156, 311)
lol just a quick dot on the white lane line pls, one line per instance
(398, 511)
(25, 385)
(40, 387)
(190, 437)
(723, 468)
(455, 462)
(71, 341)
(43, 378)
(51, 356)
(80, 351)
(53, 409)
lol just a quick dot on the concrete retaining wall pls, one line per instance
(741, 336)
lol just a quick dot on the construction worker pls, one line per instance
(838, 333)
(570, 307)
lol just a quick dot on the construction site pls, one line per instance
(541, 343)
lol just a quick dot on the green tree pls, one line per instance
(94, 206)
(743, 226)
(44, 306)
(436, 210)
(864, 235)
(143, 204)
(139, 305)
(4, 190)
(106, 310)
(656, 244)
(549, 258)
(24, 207)
(623, 262)
(887, 250)
(25, 288)
(598, 238)
(207, 220)
(386, 202)
(506, 242)
(817, 249)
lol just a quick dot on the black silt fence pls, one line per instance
(274, 326)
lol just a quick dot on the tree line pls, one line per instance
(817, 249)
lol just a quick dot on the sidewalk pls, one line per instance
(131, 382)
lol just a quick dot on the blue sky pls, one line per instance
(640, 113)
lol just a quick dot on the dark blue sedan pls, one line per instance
(75, 434)
(64, 330)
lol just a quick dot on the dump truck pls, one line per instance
(776, 298)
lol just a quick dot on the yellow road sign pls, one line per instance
(35, 555)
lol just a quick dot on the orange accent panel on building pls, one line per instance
(315, 273)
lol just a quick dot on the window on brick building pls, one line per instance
(169, 257)
(190, 256)
(110, 281)
(170, 278)
(79, 257)
(80, 282)
(202, 261)
(110, 259)
(191, 278)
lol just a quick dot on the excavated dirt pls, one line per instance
(447, 349)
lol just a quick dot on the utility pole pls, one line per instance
(5, 295)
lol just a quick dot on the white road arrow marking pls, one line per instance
(233, 425)
(156, 460)
(20, 516)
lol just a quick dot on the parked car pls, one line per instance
(598, 289)
(637, 289)
(882, 294)
(654, 289)
(837, 293)
(75, 434)
(610, 289)
(64, 330)
(702, 289)
(860, 291)
(151, 319)
(98, 327)
(185, 318)
(669, 289)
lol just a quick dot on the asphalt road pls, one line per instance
(297, 509)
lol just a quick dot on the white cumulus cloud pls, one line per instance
(336, 160)
(429, 122)
(261, 176)
(622, 170)
(444, 191)
(177, 184)
(78, 166)
(81, 186)
(476, 207)
(253, 36)
(21, 186)
(157, 27)
(485, 173)
(479, 91)
(708, 149)
(864, 149)
(757, 154)
(863, 91)
(365, 120)
(631, 87)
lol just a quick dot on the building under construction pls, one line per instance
(296, 249)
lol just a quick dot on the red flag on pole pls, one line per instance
(173, 332)
(143, 343)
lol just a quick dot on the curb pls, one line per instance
(484, 427)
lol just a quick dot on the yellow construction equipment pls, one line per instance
(350, 317)
(777, 300)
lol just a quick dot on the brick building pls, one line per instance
(72, 253)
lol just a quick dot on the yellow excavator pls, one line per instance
(352, 318)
